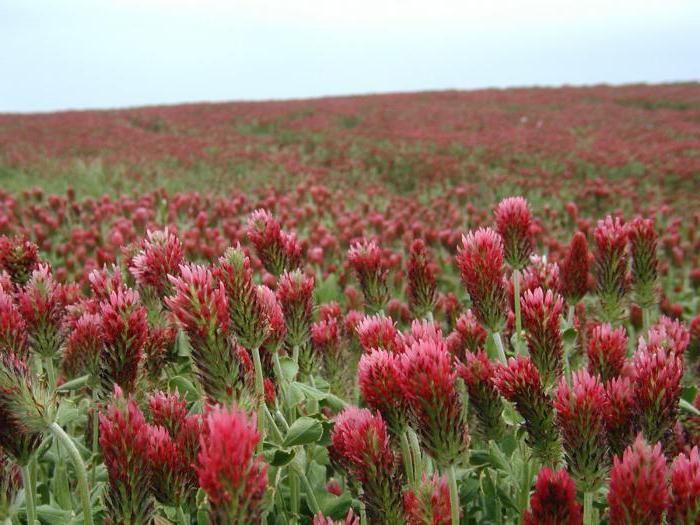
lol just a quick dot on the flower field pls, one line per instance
(433, 308)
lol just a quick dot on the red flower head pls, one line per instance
(124, 329)
(480, 262)
(278, 251)
(435, 410)
(422, 331)
(361, 447)
(350, 519)
(468, 336)
(643, 238)
(514, 225)
(581, 419)
(83, 347)
(233, 477)
(638, 493)
(124, 439)
(611, 265)
(685, 489)
(538, 274)
(248, 319)
(554, 500)
(160, 348)
(160, 255)
(10, 485)
(330, 310)
(13, 329)
(657, 384)
(607, 349)
(272, 311)
(200, 306)
(171, 482)
(478, 375)
(105, 281)
(295, 292)
(422, 285)
(168, 411)
(541, 319)
(377, 332)
(19, 258)
(520, 383)
(366, 260)
(429, 504)
(668, 334)
(573, 270)
(620, 413)
(380, 381)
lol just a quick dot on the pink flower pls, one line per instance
(83, 346)
(643, 240)
(514, 224)
(169, 469)
(366, 260)
(350, 519)
(541, 319)
(380, 381)
(272, 311)
(167, 410)
(620, 413)
(377, 332)
(554, 500)
(638, 493)
(607, 349)
(278, 251)
(611, 260)
(484, 399)
(105, 281)
(574, 270)
(230, 473)
(422, 285)
(19, 258)
(685, 489)
(160, 255)
(480, 262)
(13, 329)
(468, 336)
(429, 504)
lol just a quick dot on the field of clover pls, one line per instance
(427, 309)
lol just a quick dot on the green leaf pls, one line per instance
(491, 349)
(182, 345)
(278, 457)
(688, 407)
(311, 392)
(294, 395)
(569, 335)
(335, 507)
(74, 384)
(53, 515)
(289, 368)
(303, 431)
(185, 386)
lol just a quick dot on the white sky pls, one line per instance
(58, 54)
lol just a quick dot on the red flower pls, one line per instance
(83, 346)
(169, 469)
(168, 411)
(13, 329)
(429, 504)
(638, 493)
(380, 381)
(366, 260)
(514, 224)
(581, 418)
(272, 311)
(278, 251)
(468, 336)
(295, 294)
(377, 332)
(554, 500)
(105, 281)
(620, 413)
(480, 262)
(668, 334)
(350, 519)
(360, 445)
(160, 255)
(19, 258)
(643, 239)
(685, 489)
(541, 319)
(478, 374)
(124, 439)
(233, 477)
(611, 265)
(607, 349)
(574, 270)
(422, 285)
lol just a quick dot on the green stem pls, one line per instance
(294, 494)
(310, 496)
(260, 395)
(454, 495)
(587, 508)
(313, 403)
(95, 437)
(570, 316)
(499, 346)
(417, 461)
(407, 459)
(78, 467)
(29, 500)
(50, 374)
(516, 303)
(181, 516)
(429, 316)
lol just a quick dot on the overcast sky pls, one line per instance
(59, 54)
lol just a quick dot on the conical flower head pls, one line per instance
(540, 273)
(423, 330)
(478, 373)
(435, 409)
(685, 489)
(295, 293)
(581, 419)
(480, 262)
(621, 414)
(611, 260)
(168, 411)
(124, 439)
(25, 409)
(19, 258)
(422, 285)
(366, 260)
(607, 349)
(519, 382)
(272, 312)
(277, 250)
(13, 329)
(378, 332)
(554, 500)
(200, 307)
(169, 469)
(124, 329)
(106, 280)
(83, 347)
(161, 255)
(468, 336)
(429, 504)
(230, 473)
(10, 485)
(380, 381)
(638, 492)
(657, 377)
(670, 335)
(360, 445)
(541, 319)
(573, 270)
(514, 223)
(643, 240)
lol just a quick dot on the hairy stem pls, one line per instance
(407, 459)
(499, 346)
(516, 303)
(260, 395)
(454, 495)
(29, 500)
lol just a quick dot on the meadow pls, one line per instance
(429, 308)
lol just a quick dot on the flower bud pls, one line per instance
(514, 223)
